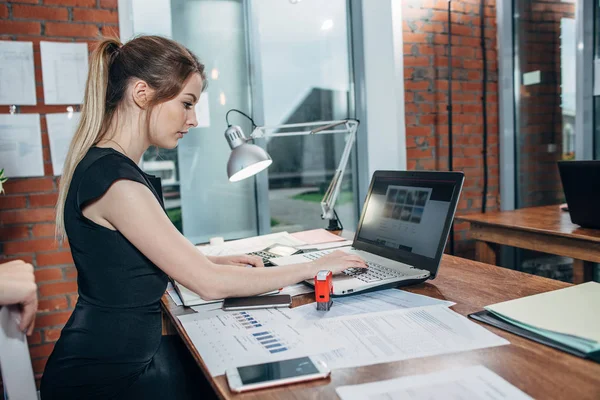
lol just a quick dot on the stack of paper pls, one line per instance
(568, 316)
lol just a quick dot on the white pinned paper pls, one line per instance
(17, 78)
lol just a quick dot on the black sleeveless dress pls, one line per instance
(111, 347)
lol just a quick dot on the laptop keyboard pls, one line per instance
(375, 272)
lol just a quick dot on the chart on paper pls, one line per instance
(230, 339)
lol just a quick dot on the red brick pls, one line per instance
(8, 202)
(412, 61)
(39, 351)
(40, 12)
(409, 37)
(20, 27)
(76, 3)
(8, 233)
(419, 153)
(55, 304)
(3, 11)
(109, 3)
(418, 131)
(43, 230)
(48, 274)
(51, 335)
(43, 200)
(34, 338)
(56, 258)
(54, 289)
(71, 273)
(29, 185)
(39, 365)
(97, 16)
(28, 216)
(29, 246)
(418, 85)
(71, 30)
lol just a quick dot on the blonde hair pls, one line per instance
(162, 63)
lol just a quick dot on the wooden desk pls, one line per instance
(546, 229)
(540, 371)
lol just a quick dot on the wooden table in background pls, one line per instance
(538, 370)
(547, 229)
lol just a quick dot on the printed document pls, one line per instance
(61, 128)
(382, 300)
(230, 339)
(17, 78)
(21, 145)
(476, 382)
(64, 70)
(388, 336)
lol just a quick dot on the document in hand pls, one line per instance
(566, 319)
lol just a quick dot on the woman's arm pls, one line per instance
(132, 209)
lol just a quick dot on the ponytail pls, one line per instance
(93, 123)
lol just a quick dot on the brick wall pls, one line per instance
(27, 208)
(425, 33)
(540, 119)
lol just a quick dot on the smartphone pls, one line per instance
(276, 373)
(247, 303)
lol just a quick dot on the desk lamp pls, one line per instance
(248, 159)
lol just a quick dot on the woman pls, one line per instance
(138, 95)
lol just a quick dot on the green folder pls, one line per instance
(567, 319)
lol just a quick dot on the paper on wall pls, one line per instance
(64, 71)
(17, 78)
(21, 145)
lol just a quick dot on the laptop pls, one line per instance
(402, 232)
(581, 184)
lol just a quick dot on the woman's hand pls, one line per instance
(240, 260)
(338, 261)
(17, 286)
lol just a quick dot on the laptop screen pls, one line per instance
(407, 214)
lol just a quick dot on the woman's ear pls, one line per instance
(142, 93)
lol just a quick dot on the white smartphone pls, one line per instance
(276, 373)
(252, 302)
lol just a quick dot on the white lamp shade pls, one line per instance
(247, 160)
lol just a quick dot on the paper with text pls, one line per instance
(388, 336)
(383, 300)
(230, 339)
(17, 78)
(476, 383)
(64, 71)
(21, 145)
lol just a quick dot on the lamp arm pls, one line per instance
(331, 195)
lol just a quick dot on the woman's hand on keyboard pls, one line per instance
(338, 261)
